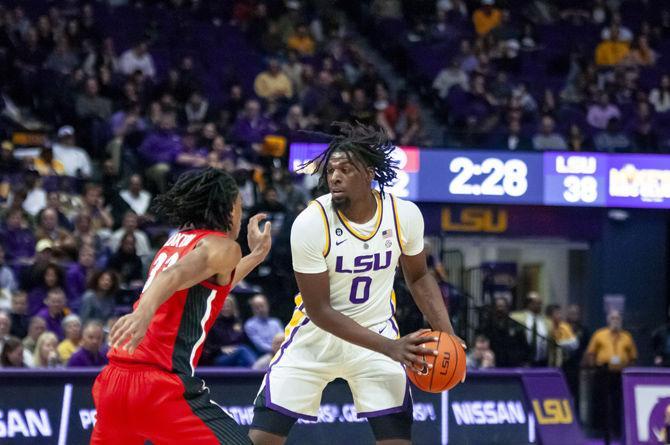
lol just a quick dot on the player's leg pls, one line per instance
(184, 414)
(392, 429)
(381, 393)
(294, 383)
(269, 427)
(110, 395)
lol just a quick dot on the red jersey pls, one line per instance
(175, 337)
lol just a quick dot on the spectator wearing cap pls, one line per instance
(91, 351)
(137, 58)
(273, 84)
(137, 198)
(75, 160)
(72, 328)
(17, 239)
(55, 311)
(486, 18)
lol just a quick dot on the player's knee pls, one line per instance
(392, 427)
(259, 437)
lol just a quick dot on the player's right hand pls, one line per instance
(409, 350)
(129, 331)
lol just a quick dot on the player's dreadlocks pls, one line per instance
(368, 145)
(200, 199)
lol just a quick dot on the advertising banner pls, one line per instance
(56, 408)
(553, 408)
(646, 397)
(513, 221)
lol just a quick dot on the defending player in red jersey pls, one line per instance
(149, 390)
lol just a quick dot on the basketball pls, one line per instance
(448, 366)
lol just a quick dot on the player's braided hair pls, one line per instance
(200, 199)
(367, 144)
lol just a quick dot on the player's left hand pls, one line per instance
(129, 331)
(259, 240)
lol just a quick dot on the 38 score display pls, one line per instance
(500, 177)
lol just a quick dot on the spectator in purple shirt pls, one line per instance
(50, 278)
(225, 344)
(251, 126)
(160, 150)
(91, 352)
(18, 240)
(600, 113)
(55, 311)
(77, 276)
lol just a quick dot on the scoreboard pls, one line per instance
(529, 178)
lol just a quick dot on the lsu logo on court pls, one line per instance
(553, 412)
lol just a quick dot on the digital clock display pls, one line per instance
(502, 177)
(481, 176)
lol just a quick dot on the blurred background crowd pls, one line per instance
(104, 103)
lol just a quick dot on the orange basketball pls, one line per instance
(448, 366)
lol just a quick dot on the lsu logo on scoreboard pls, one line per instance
(553, 412)
(474, 219)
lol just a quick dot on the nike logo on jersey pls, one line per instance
(337, 243)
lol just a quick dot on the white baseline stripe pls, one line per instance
(208, 312)
(65, 414)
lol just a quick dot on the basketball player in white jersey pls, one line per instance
(346, 246)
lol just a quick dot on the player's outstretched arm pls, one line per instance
(259, 242)
(213, 256)
(426, 292)
(315, 291)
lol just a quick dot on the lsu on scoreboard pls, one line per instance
(527, 178)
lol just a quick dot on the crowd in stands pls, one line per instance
(535, 75)
(97, 120)
(110, 115)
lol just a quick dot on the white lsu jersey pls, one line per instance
(361, 259)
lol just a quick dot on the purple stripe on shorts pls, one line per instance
(268, 393)
(406, 406)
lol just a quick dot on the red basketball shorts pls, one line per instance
(136, 403)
